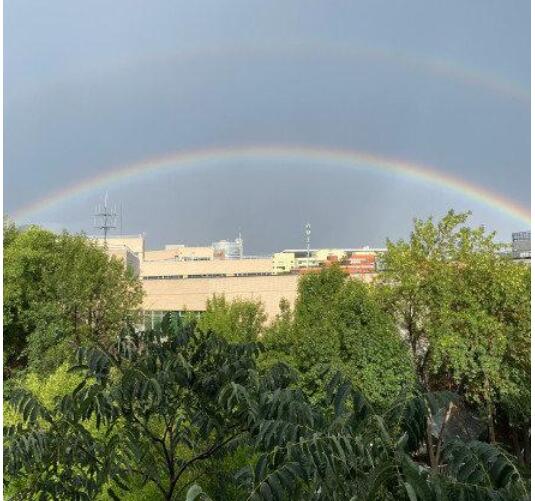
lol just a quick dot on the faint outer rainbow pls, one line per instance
(347, 55)
(302, 154)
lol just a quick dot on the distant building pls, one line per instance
(123, 253)
(357, 262)
(521, 245)
(135, 243)
(129, 248)
(225, 249)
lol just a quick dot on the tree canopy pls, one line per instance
(60, 290)
(338, 325)
(168, 402)
(237, 320)
(465, 311)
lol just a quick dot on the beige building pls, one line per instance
(127, 256)
(192, 294)
(215, 268)
(181, 253)
(179, 278)
(134, 243)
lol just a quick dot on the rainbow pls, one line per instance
(282, 153)
(347, 54)
(440, 67)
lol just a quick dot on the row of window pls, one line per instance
(207, 275)
(152, 319)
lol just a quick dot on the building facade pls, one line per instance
(180, 278)
(521, 245)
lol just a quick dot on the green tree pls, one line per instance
(464, 310)
(338, 325)
(341, 449)
(60, 290)
(169, 403)
(239, 321)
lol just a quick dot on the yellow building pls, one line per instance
(283, 262)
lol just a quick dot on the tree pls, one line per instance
(167, 401)
(464, 310)
(60, 290)
(170, 402)
(339, 326)
(343, 450)
(237, 321)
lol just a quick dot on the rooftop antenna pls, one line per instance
(308, 231)
(239, 241)
(105, 218)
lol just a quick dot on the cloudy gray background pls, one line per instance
(91, 85)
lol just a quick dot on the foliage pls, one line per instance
(465, 310)
(168, 401)
(175, 400)
(60, 290)
(237, 321)
(201, 409)
(345, 451)
(339, 326)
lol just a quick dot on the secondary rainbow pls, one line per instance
(348, 54)
(301, 154)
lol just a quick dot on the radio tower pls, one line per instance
(105, 218)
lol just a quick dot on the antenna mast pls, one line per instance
(105, 218)
(308, 231)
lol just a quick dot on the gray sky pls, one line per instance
(91, 85)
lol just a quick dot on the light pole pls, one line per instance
(307, 239)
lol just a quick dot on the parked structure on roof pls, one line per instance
(225, 249)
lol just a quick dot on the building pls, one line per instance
(521, 246)
(134, 243)
(357, 262)
(225, 249)
(191, 295)
(124, 254)
(180, 278)
(129, 248)
(180, 253)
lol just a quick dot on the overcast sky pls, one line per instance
(96, 84)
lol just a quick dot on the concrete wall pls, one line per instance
(192, 294)
(124, 254)
(217, 267)
(136, 243)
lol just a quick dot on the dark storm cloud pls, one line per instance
(71, 112)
